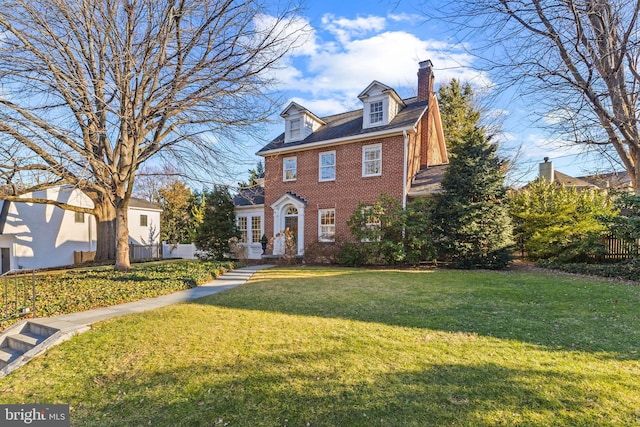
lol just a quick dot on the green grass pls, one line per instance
(80, 289)
(343, 347)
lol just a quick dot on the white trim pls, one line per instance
(279, 207)
(320, 212)
(367, 148)
(338, 141)
(335, 161)
(284, 170)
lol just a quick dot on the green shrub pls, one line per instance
(560, 224)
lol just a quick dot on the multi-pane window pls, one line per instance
(242, 229)
(143, 220)
(327, 167)
(326, 225)
(372, 224)
(294, 129)
(256, 227)
(375, 112)
(290, 169)
(79, 217)
(372, 160)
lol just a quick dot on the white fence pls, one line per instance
(184, 251)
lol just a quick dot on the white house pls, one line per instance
(40, 236)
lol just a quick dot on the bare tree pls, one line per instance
(577, 60)
(92, 89)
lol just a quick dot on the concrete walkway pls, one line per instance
(81, 320)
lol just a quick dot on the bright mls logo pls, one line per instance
(34, 415)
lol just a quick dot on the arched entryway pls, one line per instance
(288, 212)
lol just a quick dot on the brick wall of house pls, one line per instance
(345, 193)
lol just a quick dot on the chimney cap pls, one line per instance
(426, 64)
(546, 159)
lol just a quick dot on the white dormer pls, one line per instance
(381, 104)
(299, 123)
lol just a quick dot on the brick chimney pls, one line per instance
(425, 80)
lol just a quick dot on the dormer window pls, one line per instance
(294, 129)
(376, 114)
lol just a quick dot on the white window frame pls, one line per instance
(326, 229)
(255, 237)
(371, 224)
(79, 217)
(365, 149)
(243, 231)
(321, 167)
(376, 112)
(295, 132)
(285, 169)
(144, 220)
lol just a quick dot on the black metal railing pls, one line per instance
(17, 295)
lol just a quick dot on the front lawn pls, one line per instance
(345, 347)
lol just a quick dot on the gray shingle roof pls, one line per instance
(350, 125)
(428, 181)
(249, 197)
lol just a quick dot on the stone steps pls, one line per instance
(20, 343)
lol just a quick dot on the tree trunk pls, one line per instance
(122, 236)
(105, 215)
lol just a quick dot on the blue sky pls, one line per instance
(351, 43)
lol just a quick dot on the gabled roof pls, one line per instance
(349, 125)
(135, 202)
(295, 106)
(384, 88)
(570, 181)
(253, 196)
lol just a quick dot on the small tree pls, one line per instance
(471, 220)
(218, 225)
(626, 225)
(558, 223)
(181, 214)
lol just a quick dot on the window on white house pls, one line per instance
(326, 225)
(256, 227)
(294, 129)
(143, 220)
(372, 160)
(327, 167)
(79, 217)
(290, 169)
(375, 112)
(242, 229)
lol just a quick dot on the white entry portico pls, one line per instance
(288, 212)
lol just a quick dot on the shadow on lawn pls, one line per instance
(245, 394)
(592, 317)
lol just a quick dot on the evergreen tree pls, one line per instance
(180, 215)
(471, 220)
(218, 225)
(459, 115)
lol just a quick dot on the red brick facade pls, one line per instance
(344, 193)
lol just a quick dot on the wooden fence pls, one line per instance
(616, 249)
(140, 252)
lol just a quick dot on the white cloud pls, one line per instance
(345, 29)
(342, 57)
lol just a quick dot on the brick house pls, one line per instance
(320, 169)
